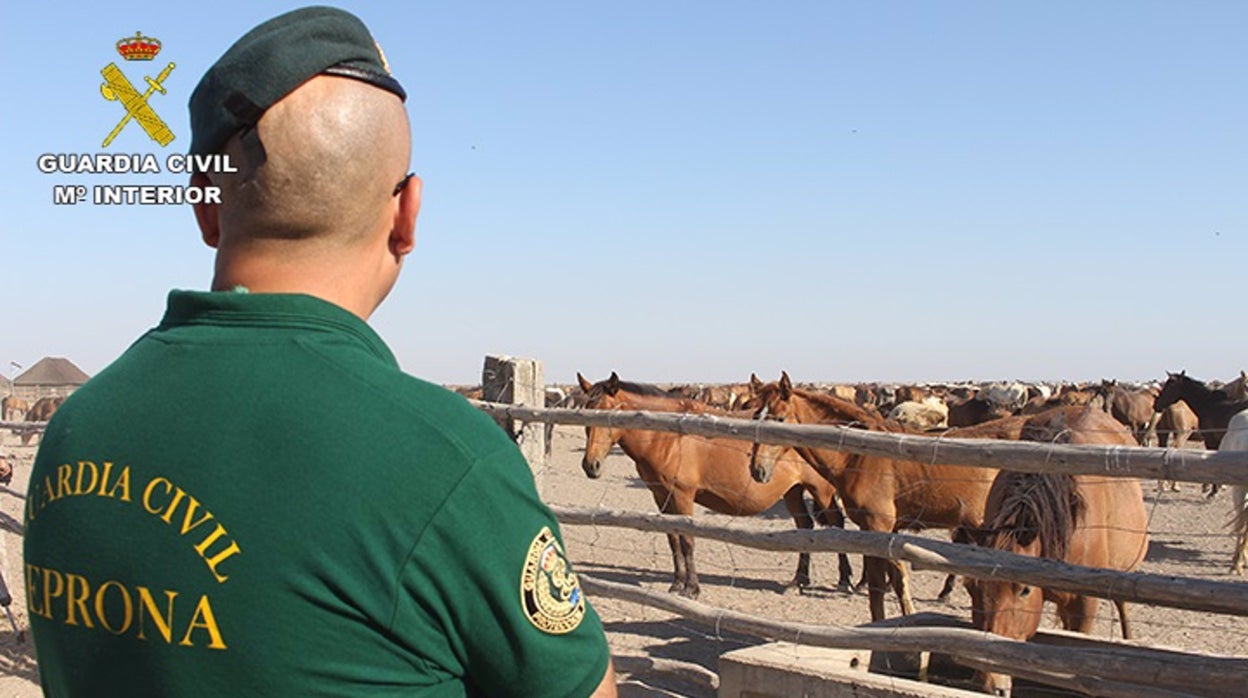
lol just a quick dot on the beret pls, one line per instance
(273, 59)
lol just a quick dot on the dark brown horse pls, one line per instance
(880, 494)
(1087, 520)
(682, 470)
(1213, 408)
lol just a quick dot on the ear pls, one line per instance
(613, 384)
(786, 385)
(207, 215)
(586, 386)
(756, 385)
(403, 228)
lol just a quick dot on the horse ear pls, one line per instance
(786, 385)
(585, 385)
(756, 385)
(613, 384)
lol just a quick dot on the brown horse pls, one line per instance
(6, 471)
(41, 411)
(1172, 427)
(880, 494)
(13, 408)
(1133, 408)
(1238, 388)
(682, 470)
(1087, 520)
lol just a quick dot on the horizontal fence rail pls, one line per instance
(1115, 673)
(24, 426)
(1221, 467)
(968, 560)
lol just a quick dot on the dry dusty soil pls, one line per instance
(658, 654)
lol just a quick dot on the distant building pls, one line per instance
(51, 375)
(6, 387)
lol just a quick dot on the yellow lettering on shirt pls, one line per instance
(123, 610)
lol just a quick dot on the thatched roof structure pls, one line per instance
(50, 371)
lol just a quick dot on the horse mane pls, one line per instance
(647, 389)
(1035, 505)
(842, 410)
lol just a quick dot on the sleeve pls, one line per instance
(491, 569)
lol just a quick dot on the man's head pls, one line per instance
(310, 118)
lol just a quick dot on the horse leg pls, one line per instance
(1123, 619)
(692, 589)
(901, 585)
(1078, 614)
(680, 504)
(875, 569)
(959, 536)
(680, 575)
(1239, 503)
(831, 515)
(796, 504)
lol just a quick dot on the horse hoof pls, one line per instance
(844, 588)
(676, 588)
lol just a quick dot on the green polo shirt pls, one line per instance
(255, 501)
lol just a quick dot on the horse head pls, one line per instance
(1008, 609)
(1177, 387)
(773, 402)
(603, 395)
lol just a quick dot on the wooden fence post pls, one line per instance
(517, 381)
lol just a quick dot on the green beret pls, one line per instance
(273, 59)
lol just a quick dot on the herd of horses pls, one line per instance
(1087, 520)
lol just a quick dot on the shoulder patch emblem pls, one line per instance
(549, 591)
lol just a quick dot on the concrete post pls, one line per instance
(516, 381)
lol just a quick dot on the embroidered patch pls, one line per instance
(549, 590)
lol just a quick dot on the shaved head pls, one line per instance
(323, 170)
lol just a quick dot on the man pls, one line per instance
(253, 500)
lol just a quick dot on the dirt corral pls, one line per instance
(659, 654)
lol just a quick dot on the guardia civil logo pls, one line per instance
(549, 590)
(118, 88)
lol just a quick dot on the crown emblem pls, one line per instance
(138, 47)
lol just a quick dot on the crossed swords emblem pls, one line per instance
(117, 88)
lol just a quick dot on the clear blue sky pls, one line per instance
(694, 191)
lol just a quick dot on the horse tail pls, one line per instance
(1239, 517)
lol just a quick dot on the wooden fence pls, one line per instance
(1108, 672)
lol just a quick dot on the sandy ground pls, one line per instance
(657, 654)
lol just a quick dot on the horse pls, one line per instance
(681, 470)
(920, 415)
(1172, 427)
(13, 408)
(1133, 408)
(974, 410)
(1237, 440)
(1087, 520)
(1238, 388)
(880, 494)
(41, 411)
(1213, 408)
(6, 471)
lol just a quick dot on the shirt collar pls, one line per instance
(239, 308)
